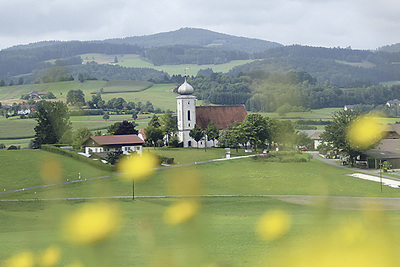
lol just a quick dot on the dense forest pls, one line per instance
(198, 38)
(94, 71)
(263, 91)
(295, 75)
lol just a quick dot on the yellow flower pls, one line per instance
(273, 225)
(51, 171)
(364, 132)
(50, 257)
(75, 264)
(138, 167)
(23, 259)
(92, 223)
(181, 211)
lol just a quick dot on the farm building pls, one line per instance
(113, 143)
(314, 135)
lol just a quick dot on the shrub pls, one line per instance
(282, 156)
(76, 156)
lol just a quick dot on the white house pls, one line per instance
(113, 143)
(394, 102)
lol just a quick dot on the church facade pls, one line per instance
(188, 115)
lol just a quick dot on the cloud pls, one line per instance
(356, 23)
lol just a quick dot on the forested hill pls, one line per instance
(343, 67)
(199, 37)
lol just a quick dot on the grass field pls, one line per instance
(223, 232)
(134, 61)
(160, 95)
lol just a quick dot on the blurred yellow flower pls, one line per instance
(273, 225)
(50, 257)
(184, 181)
(51, 170)
(136, 167)
(23, 259)
(76, 264)
(364, 132)
(92, 223)
(181, 211)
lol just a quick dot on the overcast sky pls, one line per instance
(361, 24)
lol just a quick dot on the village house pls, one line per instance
(113, 143)
(394, 102)
(36, 95)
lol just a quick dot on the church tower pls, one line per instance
(186, 113)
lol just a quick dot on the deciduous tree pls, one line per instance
(197, 134)
(335, 133)
(52, 122)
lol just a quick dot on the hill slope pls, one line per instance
(198, 37)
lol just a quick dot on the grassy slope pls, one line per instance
(22, 168)
(233, 177)
(223, 232)
(13, 128)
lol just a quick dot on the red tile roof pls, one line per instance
(118, 139)
(222, 116)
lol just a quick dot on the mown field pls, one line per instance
(223, 231)
(160, 95)
(134, 61)
(16, 131)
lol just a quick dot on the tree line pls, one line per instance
(263, 91)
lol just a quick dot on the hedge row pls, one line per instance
(74, 155)
(282, 156)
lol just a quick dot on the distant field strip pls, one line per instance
(112, 87)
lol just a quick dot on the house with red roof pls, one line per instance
(113, 143)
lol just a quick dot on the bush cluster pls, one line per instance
(282, 156)
(76, 156)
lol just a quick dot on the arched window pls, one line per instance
(188, 115)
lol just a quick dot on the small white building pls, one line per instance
(394, 102)
(114, 143)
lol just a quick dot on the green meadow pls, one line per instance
(134, 61)
(222, 232)
(160, 95)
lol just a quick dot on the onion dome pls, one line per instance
(185, 89)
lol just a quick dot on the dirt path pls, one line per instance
(344, 203)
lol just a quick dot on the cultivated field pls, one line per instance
(223, 231)
(134, 61)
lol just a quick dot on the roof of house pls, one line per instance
(387, 148)
(105, 140)
(394, 101)
(222, 116)
(313, 134)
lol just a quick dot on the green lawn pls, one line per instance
(223, 231)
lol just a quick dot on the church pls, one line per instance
(188, 115)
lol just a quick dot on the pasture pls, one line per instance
(134, 61)
(223, 231)
(160, 95)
